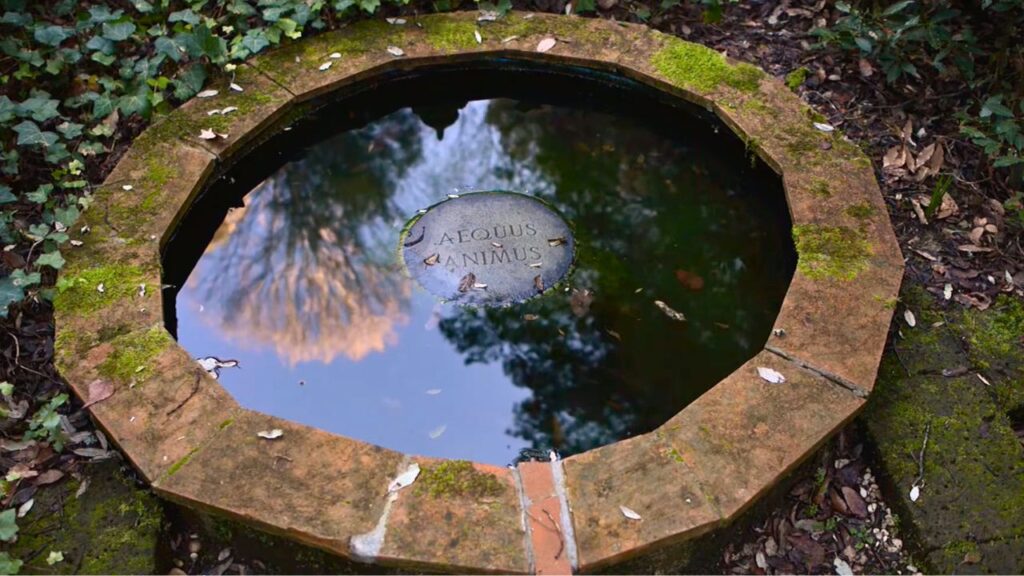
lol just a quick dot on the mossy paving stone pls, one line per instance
(457, 517)
(744, 434)
(838, 326)
(972, 501)
(260, 102)
(317, 488)
(112, 528)
(645, 475)
(163, 407)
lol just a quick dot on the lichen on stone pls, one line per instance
(133, 354)
(820, 187)
(834, 252)
(861, 211)
(458, 478)
(694, 66)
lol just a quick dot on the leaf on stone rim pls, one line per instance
(915, 493)
(395, 51)
(770, 375)
(908, 316)
(207, 134)
(630, 513)
(325, 66)
(271, 434)
(546, 44)
(99, 390)
(207, 94)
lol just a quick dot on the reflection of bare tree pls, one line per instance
(642, 208)
(307, 266)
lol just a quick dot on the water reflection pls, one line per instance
(303, 284)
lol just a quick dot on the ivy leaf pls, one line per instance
(52, 259)
(40, 108)
(8, 523)
(100, 44)
(70, 130)
(6, 197)
(29, 134)
(19, 19)
(41, 194)
(167, 47)
(118, 31)
(52, 35)
(105, 59)
(136, 102)
(189, 82)
(255, 40)
(369, 6)
(203, 42)
(186, 16)
(8, 565)
(7, 109)
(142, 6)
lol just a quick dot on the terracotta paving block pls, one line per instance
(459, 517)
(646, 476)
(745, 434)
(550, 548)
(163, 410)
(318, 488)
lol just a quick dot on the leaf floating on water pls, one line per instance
(436, 432)
(614, 334)
(770, 375)
(405, 478)
(538, 283)
(271, 434)
(630, 513)
(580, 302)
(690, 280)
(212, 365)
(909, 317)
(207, 94)
(673, 314)
(546, 44)
(395, 51)
(560, 241)
(433, 392)
(432, 259)
(915, 493)
(467, 282)
(530, 317)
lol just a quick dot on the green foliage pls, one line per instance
(45, 423)
(968, 43)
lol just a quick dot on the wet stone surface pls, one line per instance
(488, 248)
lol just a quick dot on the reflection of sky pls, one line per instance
(378, 397)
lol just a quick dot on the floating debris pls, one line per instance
(670, 312)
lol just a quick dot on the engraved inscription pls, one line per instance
(509, 244)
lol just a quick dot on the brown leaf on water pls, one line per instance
(467, 282)
(99, 390)
(530, 317)
(538, 283)
(432, 259)
(580, 302)
(690, 280)
(673, 314)
(854, 502)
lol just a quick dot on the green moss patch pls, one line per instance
(861, 211)
(821, 188)
(796, 78)
(699, 67)
(133, 355)
(91, 289)
(450, 35)
(831, 251)
(458, 478)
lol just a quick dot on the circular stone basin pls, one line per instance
(668, 224)
(488, 248)
(643, 258)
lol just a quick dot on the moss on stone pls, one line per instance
(451, 34)
(699, 67)
(796, 78)
(830, 251)
(180, 463)
(113, 528)
(458, 478)
(133, 354)
(820, 187)
(80, 291)
(861, 211)
(998, 333)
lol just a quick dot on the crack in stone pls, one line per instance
(524, 506)
(828, 376)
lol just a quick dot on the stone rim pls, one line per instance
(174, 422)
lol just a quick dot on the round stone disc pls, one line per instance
(488, 248)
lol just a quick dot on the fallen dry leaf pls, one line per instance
(99, 390)
(770, 375)
(629, 513)
(671, 313)
(405, 478)
(546, 44)
(271, 434)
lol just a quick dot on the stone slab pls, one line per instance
(317, 488)
(645, 475)
(743, 435)
(457, 517)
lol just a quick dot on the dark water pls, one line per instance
(303, 284)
